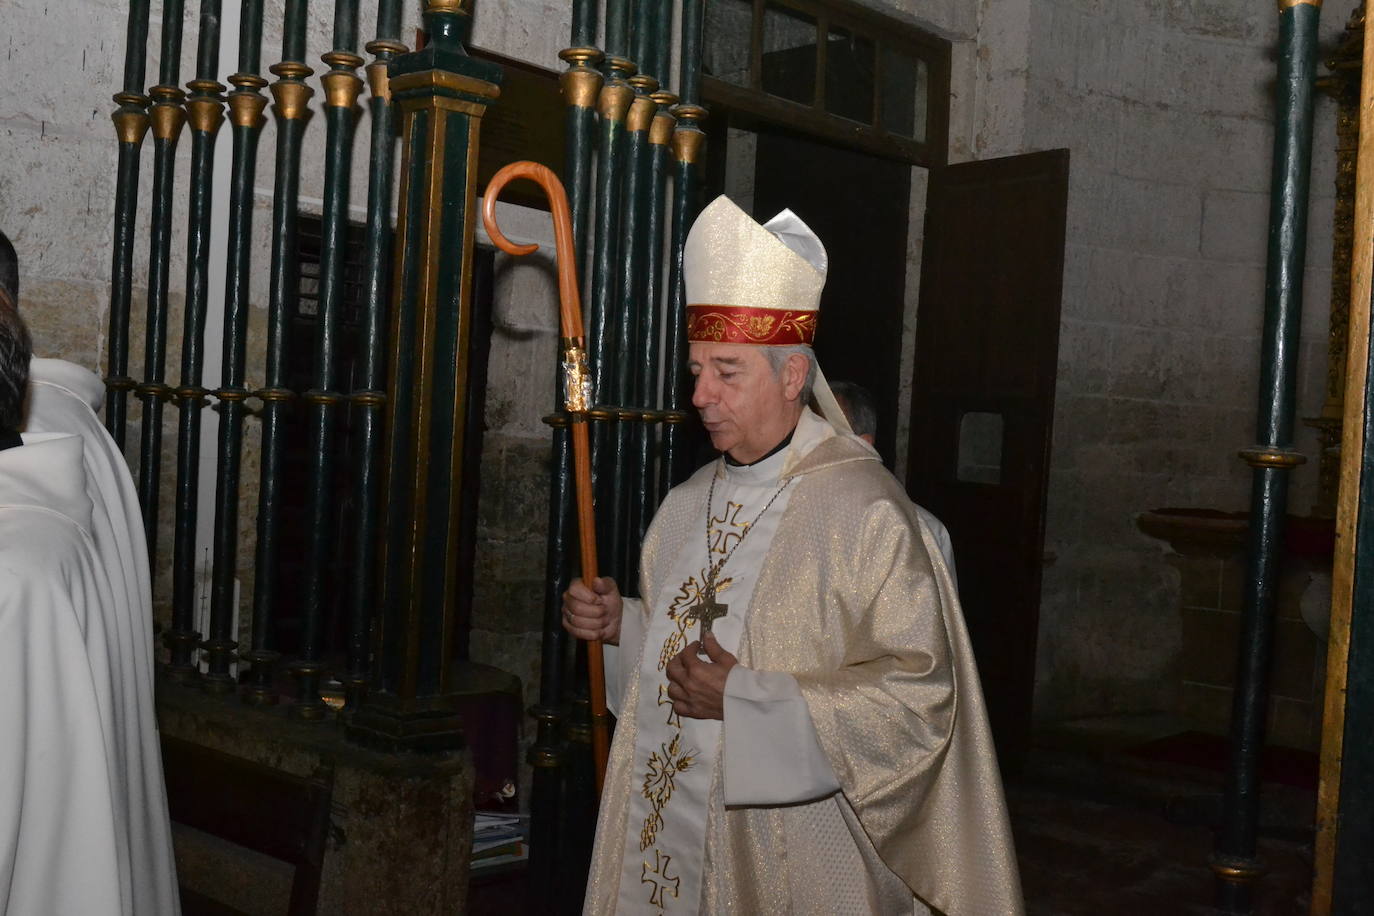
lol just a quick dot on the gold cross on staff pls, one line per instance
(708, 610)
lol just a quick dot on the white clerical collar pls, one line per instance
(811, 430)
(47, 472)
(760, 473)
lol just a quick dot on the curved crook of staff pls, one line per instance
(578, 398)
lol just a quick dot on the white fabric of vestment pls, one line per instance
(668, 823)
(765, 752)
(942, 540)
(59, 836)
(64, 398)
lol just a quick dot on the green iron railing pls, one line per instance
(131, 125)
(290, 96)
(246, 104)
(631, 147)
(341, 88)
(1234, 859)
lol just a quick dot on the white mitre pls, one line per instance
(756, 284)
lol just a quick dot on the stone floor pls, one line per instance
(1102, 832)
(1099, 831)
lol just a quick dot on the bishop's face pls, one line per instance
(745, 406)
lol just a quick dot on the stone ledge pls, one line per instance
(400, 825)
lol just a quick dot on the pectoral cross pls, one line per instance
(708, 610)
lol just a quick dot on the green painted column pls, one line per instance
(131, 125)
(369, 398)
(246, 105)
(291, 98)
(204, 116)
(168, 118)
(441, 92)
(630, 465)
(1234, 859)
(323, 401)
(689, 147)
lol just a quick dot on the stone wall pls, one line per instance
(1168, 111)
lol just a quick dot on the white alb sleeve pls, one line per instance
(617, 658)
(771, 755)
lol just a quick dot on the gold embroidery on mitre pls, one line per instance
(660, 781)
(705, 327)
(759, 326)
(737, 324)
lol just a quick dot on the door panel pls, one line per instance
(987, 340)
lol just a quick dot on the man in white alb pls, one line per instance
(83, 811)
(801, 728)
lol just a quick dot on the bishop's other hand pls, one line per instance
(696, 685)
(593, 612)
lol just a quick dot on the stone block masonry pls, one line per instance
(1167, 109)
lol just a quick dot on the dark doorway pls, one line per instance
(859, 206)
(983, 403)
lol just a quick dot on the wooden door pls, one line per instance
(987, 340)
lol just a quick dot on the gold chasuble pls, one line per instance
(854, 771)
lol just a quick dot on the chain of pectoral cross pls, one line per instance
(707, 610)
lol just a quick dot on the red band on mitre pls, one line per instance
(741, 324)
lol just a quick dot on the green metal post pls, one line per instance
(131, 124)
(1234, 858)
(204, 114)
(245, 113)
(290, 97)
(608, 446)
(613, 105)
(689, 142)
(168, 117)
(412, 697)
(368, 399)
(658, 23)
(651, 362)
(645, 265)
(341, 88)
(631, 452)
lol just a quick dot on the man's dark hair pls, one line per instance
(9, 269)
(16, 348)
(858, 406)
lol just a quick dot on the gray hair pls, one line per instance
(778, 356)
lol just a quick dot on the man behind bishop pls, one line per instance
(801, 728)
